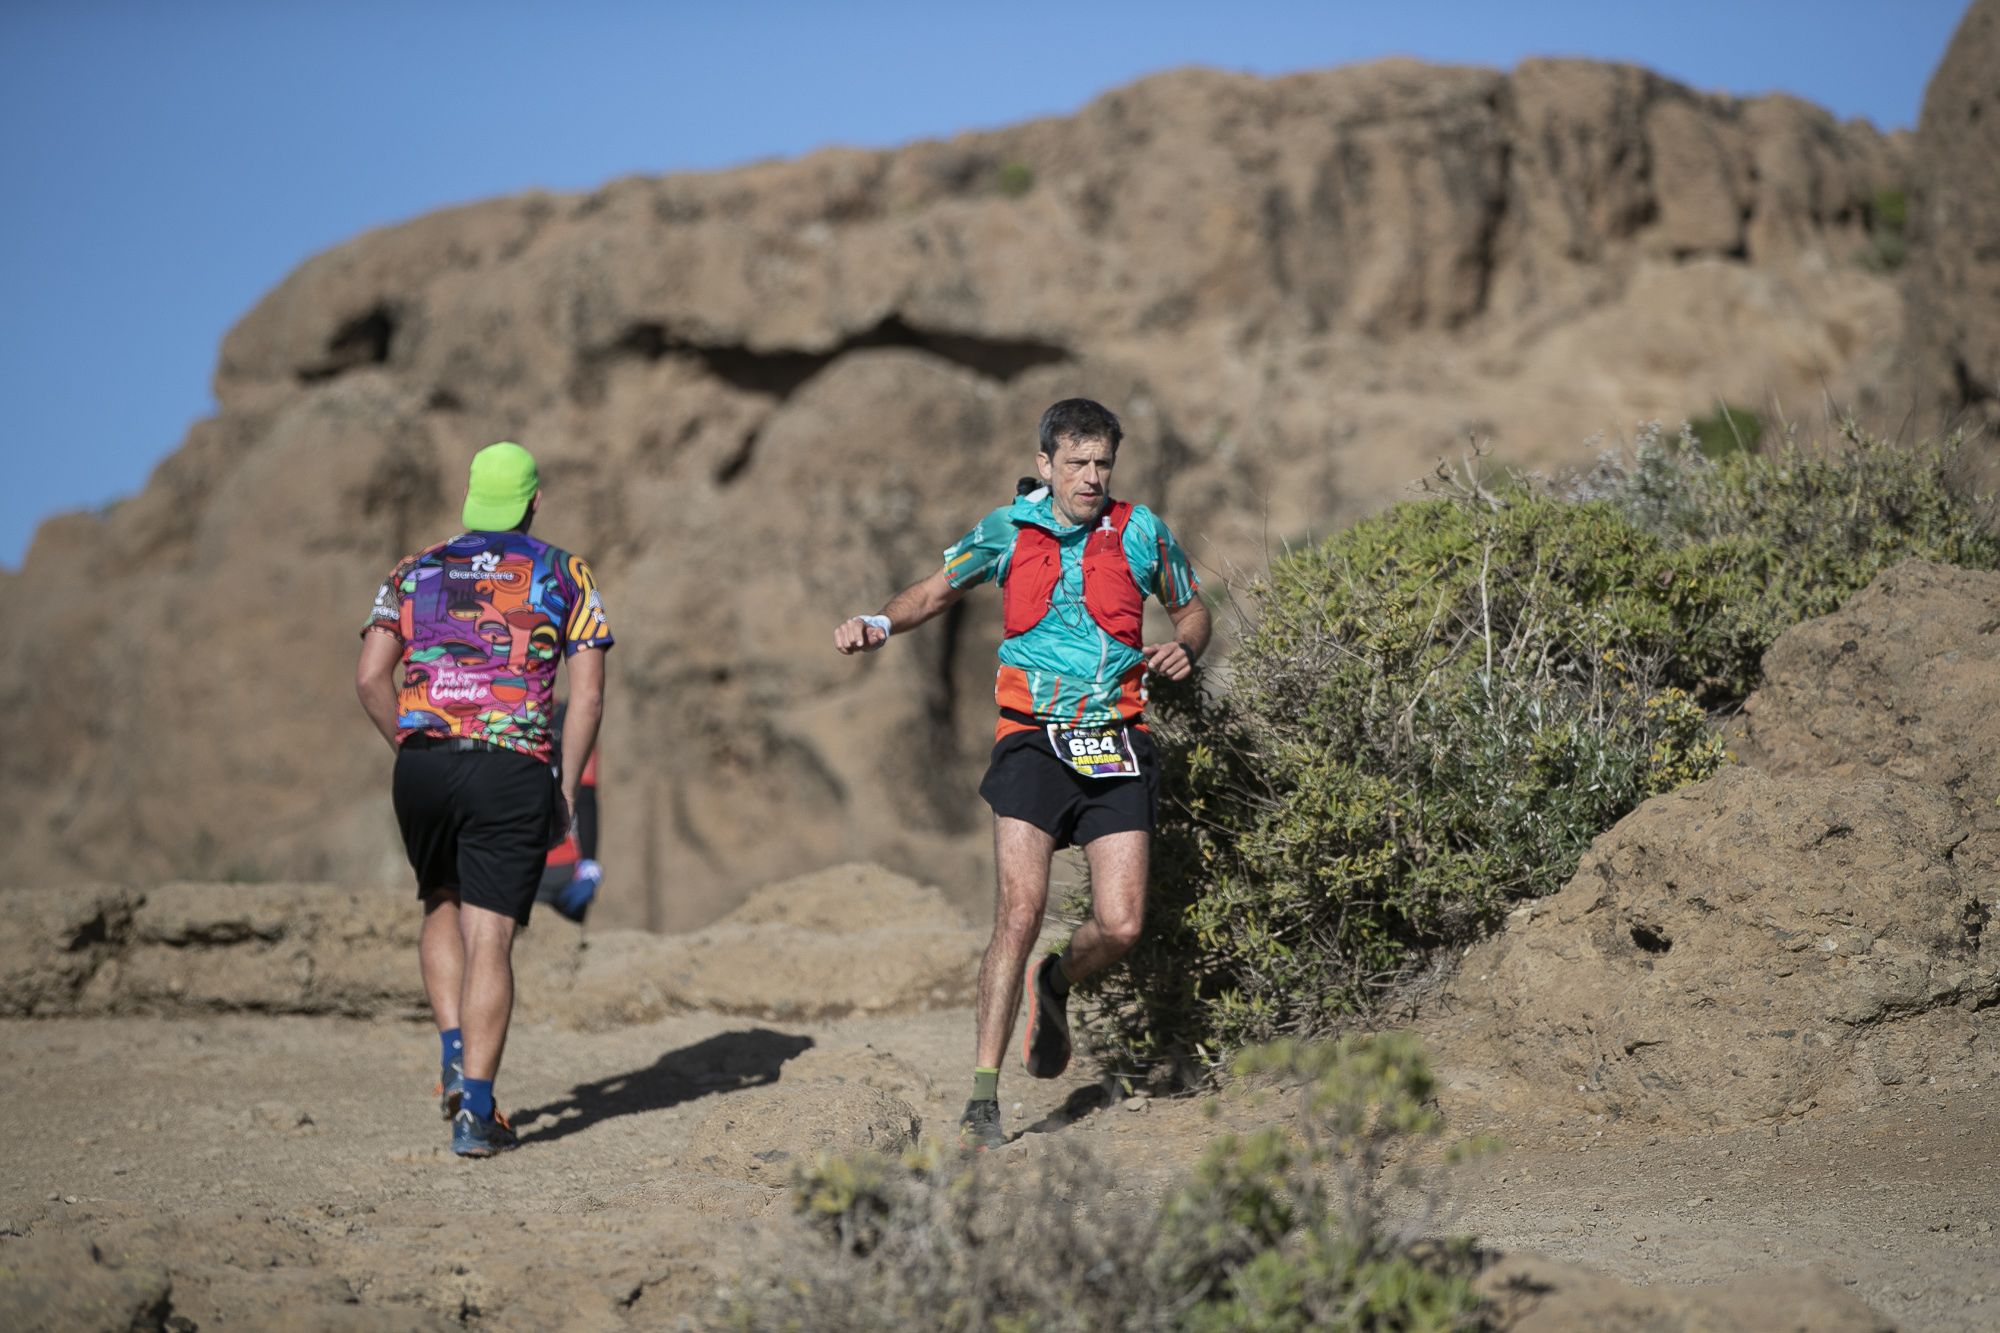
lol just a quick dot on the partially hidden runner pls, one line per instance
(1072, 762)
(478, 625)
(571, 873)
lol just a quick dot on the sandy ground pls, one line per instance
(1900, 1202)
(293, 1171)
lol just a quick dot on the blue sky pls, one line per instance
(165, 162)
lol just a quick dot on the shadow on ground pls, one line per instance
(726, 1062)
(1079, 1105)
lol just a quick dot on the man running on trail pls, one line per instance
(1072, 763)
(478, 625)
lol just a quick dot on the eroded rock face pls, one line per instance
(1904, 680)
(1805, 929)
(1954, 281)
(765, 398)
(1746, 949)
(849, 940)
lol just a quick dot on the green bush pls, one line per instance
(1014, 179)
(1431, 714)
(1727, 430)
(1273, 1231)
(1888, 245)
(1805, 527)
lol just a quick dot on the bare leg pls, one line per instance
(1117, 903)
(1021, 855)
(488, 997)
(441, 954)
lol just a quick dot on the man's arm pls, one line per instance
(906, 610)
(581, 717)
(375, 680)
(1175, 660)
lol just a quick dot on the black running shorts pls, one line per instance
(478, 821)
(1025, 780)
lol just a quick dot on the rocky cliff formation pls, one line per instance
(1954, 280)
(765, 398)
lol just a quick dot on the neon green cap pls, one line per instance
(503, 480)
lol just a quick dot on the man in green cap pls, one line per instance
(478, 625)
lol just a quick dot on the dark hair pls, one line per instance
(1076, 419)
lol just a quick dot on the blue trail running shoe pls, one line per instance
(574, 898)
(476, 1136)
(451, 1086)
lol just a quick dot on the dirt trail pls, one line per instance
(1897, 1201)
(181, 1145)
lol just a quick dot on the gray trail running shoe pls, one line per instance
(1045, 1046)
(476, 1136)
(451, 1086)
(979, 1127)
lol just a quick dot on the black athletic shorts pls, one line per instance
(1027, 781)
(478, 821)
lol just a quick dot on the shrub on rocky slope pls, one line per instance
(1433, 713)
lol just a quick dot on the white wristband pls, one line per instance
(876, 622)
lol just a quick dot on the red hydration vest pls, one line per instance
(1110, 593)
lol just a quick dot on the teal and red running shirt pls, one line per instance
(1067, 669)
(483, 619)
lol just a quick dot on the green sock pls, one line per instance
(985, 1085)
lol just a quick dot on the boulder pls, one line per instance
(52, 942)
(865, 1065)
(1742, 950)
(760, 1135)
(1903, 680)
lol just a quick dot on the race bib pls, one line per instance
(1103, 751)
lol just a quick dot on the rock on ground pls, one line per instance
(848, 940)
(52, 943)
(1744, 949)
(1903, 680)
(760, 1136)
(1779, 938)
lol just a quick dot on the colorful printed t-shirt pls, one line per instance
(1067, 669)
(482, 618)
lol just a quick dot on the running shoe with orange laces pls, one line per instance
(450, 1089)
(476, 1136)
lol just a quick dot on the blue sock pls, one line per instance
(479, 1097)
(454, 1046)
